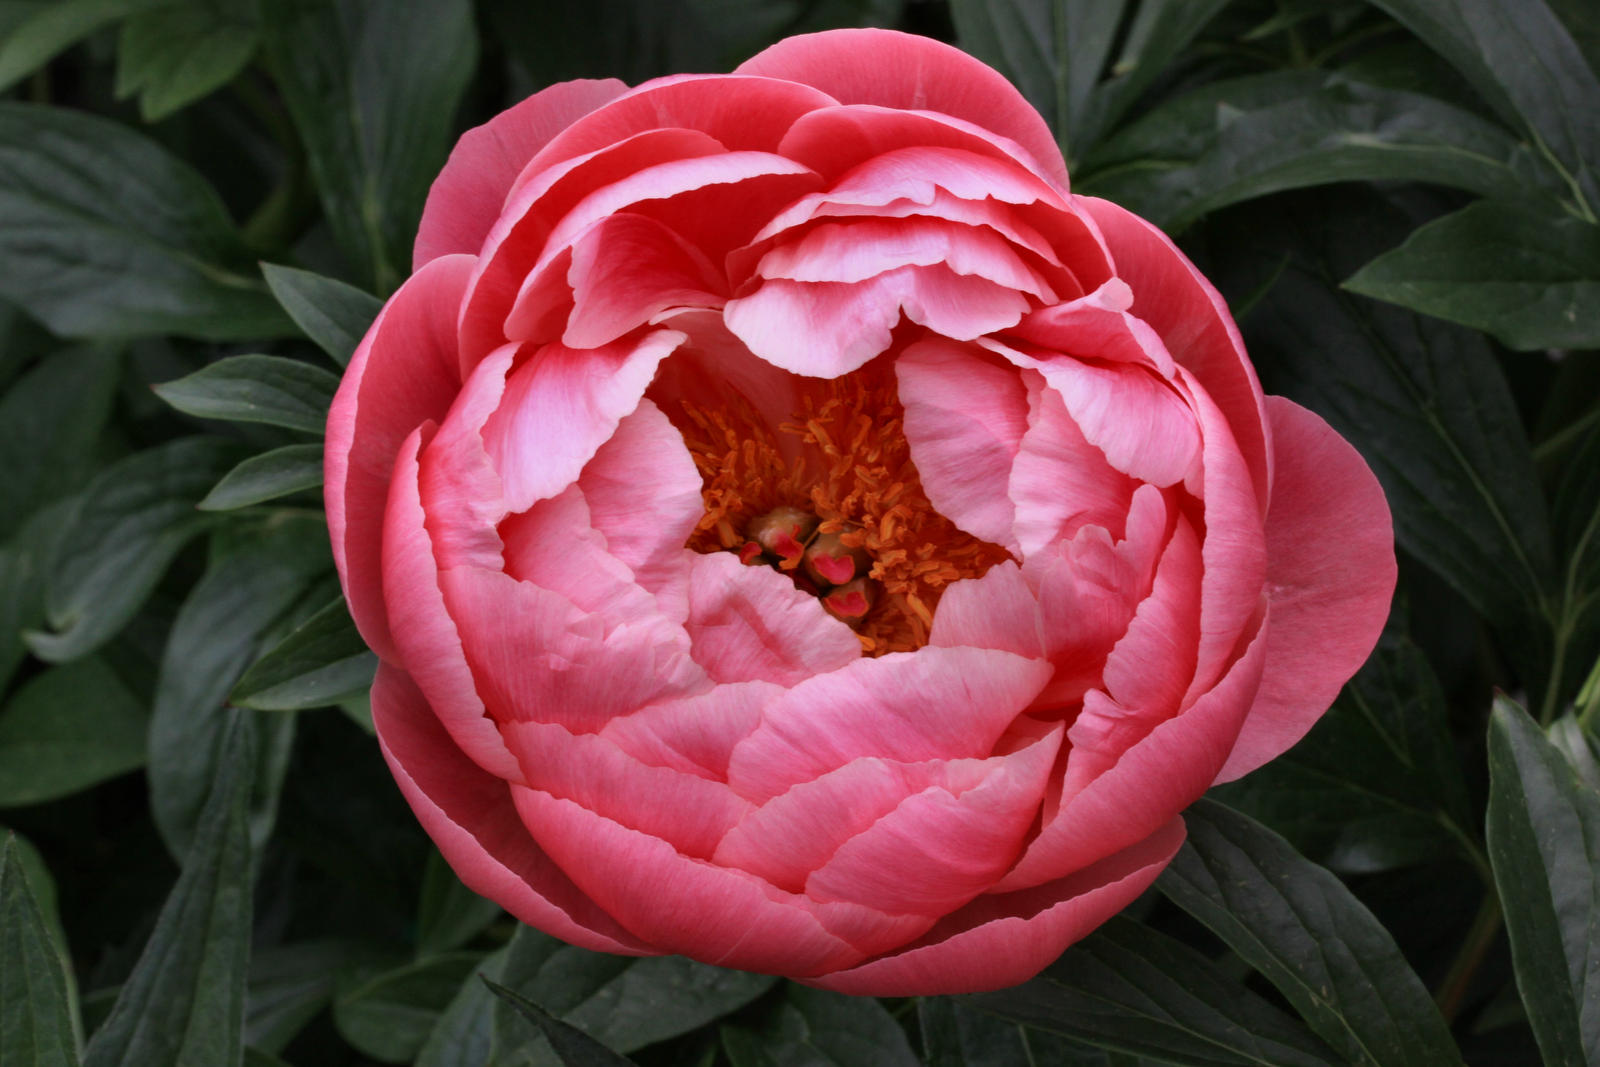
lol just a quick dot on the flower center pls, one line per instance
(831, 498)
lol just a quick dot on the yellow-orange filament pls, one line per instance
(843, 457)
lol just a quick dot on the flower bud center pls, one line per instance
(831, 498)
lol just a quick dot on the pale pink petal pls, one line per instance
(997, 610)
(542, 198)
(426, 638)
(1330, 574)
(536, 656)
(694, 734)
(1193, 321)
(1001, 940)
(1097, 326)
(643, 493)
(623, 271)
(470, 816)
(402, 375)
(940, 848)
(904, 71)
(794, 833)
(1164, 773)
(964, 421)
(935, 703)
(560, 406)
(714, 367)
(739, 112)
(1059, 481)
(751, 624)
(555, 545)
(467, 195)
(825, 329)
(690, 812)
(679, 904)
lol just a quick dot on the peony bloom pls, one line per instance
(801, 535)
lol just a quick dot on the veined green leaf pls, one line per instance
(50, 420)
(388, 1014)
(36, 1011)
(320, 662)
(572, 1046)
(270, 389)
(268, 476)
(66, 729)
(175, 54)
(332, 313)
(37, 31)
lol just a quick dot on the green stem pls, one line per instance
(1452, 992)
(1588, 702)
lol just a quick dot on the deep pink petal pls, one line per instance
(470, 816)
(688, 811)
(1001, 940)
(935, 703)
(647, 530)
(561, 405)
(964, 421)
(679, 904)
(462, 493)
(467, 195)
(694, 734)
(751, 624)
(825, 329)
(536, 656)
(1193, 321)
(1330, 575)
(898, 70)
(402, 375)
(940, 848)
(426, 638)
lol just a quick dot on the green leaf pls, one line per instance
(176, 54)
(103, 233)
(1235, 140)
(1523, 270)
(130, 522)
(1376, 784)
(956, 1035)
(1425, 402)
(36, 1012)
(66, 729)
(449, 914)
(270, 389)
(1490, 43)
(274, 474)
(1302, 929)
(288, 986)
(23, 563)
(332, 313)
(184, 1002)
(36, 31)
(247, 588)
(372, 86)
(388, 1014)
(572, 1046)
(50, 421)
(1544, 830)
(1129, 988)
(320, 662)
(816, 1028)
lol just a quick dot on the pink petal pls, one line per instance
(1157, 777)
(940, 848)
(402, 374)
(677, 903)
(470, 816)
(1330, 575)
(536, 656)
(426, 638)
(1097, 326)
(561, 405)
(1193, 321)
(462, 493)
(751, 624)
(467, 195)
(643, 493)
(997, 610)
(999, 941)
(689, 812)
(964, 420)
(825, 329)
(898, 70)
(694, 734)
(741, 113)
(714, 367)
(935, 703)
(1059, 481)
(555, 546)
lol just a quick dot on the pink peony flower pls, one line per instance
(801, 535)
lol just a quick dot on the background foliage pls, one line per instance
(202, 203)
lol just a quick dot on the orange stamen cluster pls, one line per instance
(843, 457)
